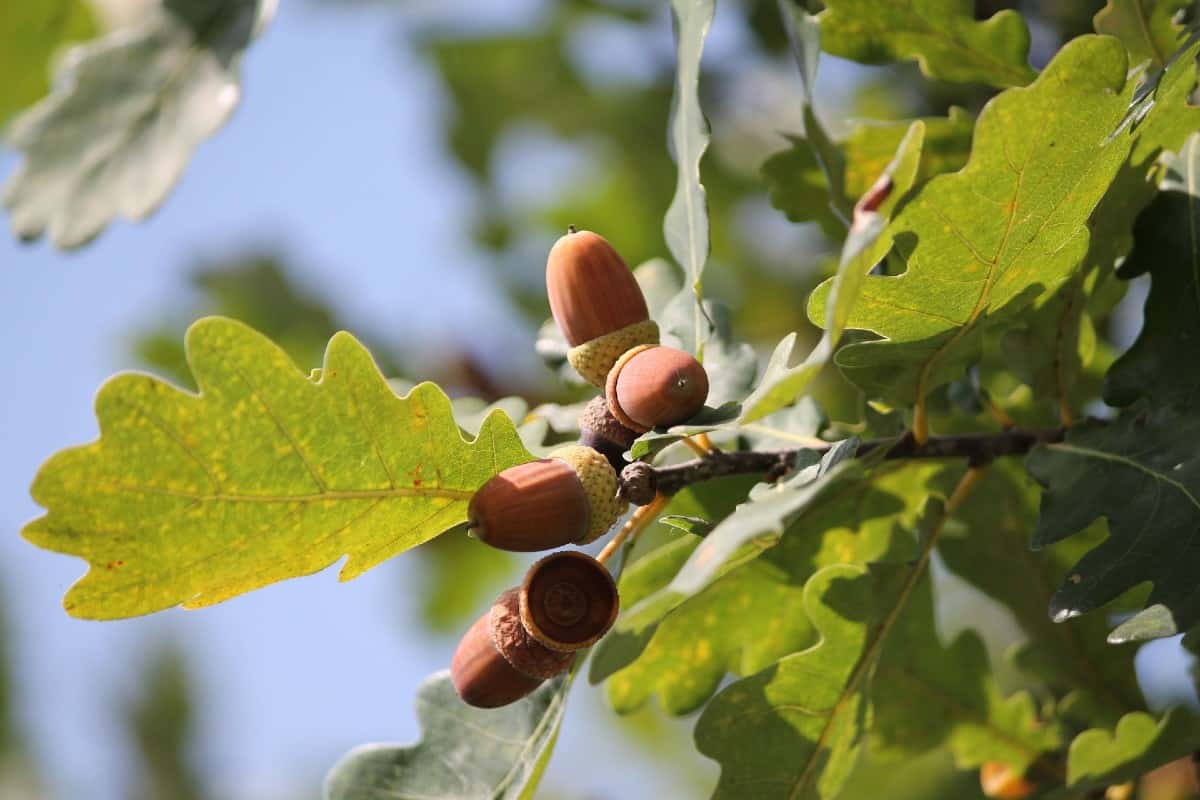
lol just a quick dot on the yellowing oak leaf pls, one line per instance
(263, 475)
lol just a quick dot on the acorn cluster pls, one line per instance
(568, 600)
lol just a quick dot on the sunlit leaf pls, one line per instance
(264, 475)
(465, 753)
(1040, 162)
(941, 35)
(127, 111)
(1146, 27)
(30, 32)
(1139, 743)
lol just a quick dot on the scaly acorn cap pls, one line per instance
(568, 601)
(601, 431)
(497, 662)
(600, 484)
(653, 386)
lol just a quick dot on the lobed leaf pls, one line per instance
(941, 35)
(1138, 744)
(127, 112)
(1142, 474)
(685, 226)
(464, 752)
(866, 244)
(1041, 160)
(1146, 27)
(264, 475)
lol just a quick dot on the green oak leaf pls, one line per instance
(866, 244)
(794, 729)
(987, 544)
(466, 753)
(683, 658)
(1167, 246)
(1041, 160)
(127, 112)
(943, 36)
(685, 227)
(1146, 27)
(30, 33)
(796, 184)
(1142, 473)
(927, 694)
(1138, 744)
(264, 475)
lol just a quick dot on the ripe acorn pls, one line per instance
(652, 386)
(568, 601)
(596, 302)
(999, 781)
(569, 498)
(497, 662)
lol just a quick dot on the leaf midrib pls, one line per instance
(1088, 452)
(329, 494)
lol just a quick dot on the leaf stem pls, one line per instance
(638, 522)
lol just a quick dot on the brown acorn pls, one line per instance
(653, 386)
(569, 498)
(592, 292)
(596, 302)
(497, 662)
(601, 431)
(568, 601)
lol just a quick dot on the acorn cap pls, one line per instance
(568, 601)
(593, 359)
(535, 506)
(484, 676)
(601, 431)
(591, 290)
(600, 483)
(654, 386)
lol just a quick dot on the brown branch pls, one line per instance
(641, 481)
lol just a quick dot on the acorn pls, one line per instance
(497, 662)
(596, 302)
(568, 498)
(653, 386)
(998, 780)
(601, 431)
(568, 601)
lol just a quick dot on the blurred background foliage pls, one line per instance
(554, 117)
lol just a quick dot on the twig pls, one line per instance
(977, 448)
(635, 525)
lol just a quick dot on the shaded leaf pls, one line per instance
(793, 730)
(685, 226)
(796, 185)
(941, 35)
(29, 35)
(464, 752)
(783, 382)
(264, 475)
(927, 694)
(1143, 475)
(1145, 27)
(126, 114)
(1041, 160)
(1138, 744)
(988, 545)
(1168, 248)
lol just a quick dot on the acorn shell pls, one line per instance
(497, 662)
(568, 601)
(531, 507)
(655, 386)
(591, 290)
